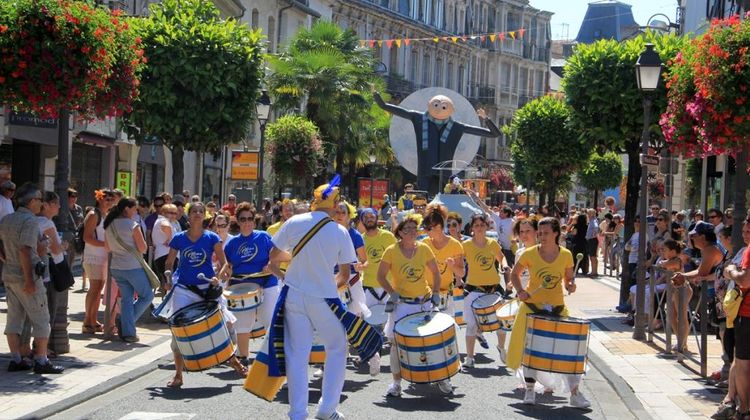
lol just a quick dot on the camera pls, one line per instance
(40, 268)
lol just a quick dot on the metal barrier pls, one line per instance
(667, 315)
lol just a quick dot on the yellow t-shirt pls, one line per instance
(451, 249)
(410, 276)
(546, 279)
(374, 248)
(481, 263)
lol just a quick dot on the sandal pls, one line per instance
(88, 329)
(175, 383)
(99, 327)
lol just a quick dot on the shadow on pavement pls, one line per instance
(426, 400)
(548, 406)
(186, 393)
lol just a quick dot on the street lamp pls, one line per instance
(262, 110)
(372, 176)
(647, 72)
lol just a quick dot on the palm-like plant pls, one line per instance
(325, 75)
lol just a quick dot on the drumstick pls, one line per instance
(579, 258)
(203, 277)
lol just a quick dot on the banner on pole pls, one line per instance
(380, 188)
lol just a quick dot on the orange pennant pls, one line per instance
(512, 34)
(521, 32)
(501, 36)
(398, 43)
(407, 41)
(372, 43)
(464, 38)
(492, 37)
(436, 39)
(389, 43)
(482, 38)
(455, 39)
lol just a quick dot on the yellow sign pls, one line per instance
(124, 181)
(245, 166)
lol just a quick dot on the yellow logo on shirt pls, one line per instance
(410, 273)
(485, 262)
(549, 280)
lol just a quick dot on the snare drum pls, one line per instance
(507, 314)
(458, 305)
(378, 317)
(243, 297)
(426, 346)
(484, 308)
(556, 344)
(258, 332)
(202, 336)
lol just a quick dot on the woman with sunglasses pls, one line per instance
(95, 258)
(482, 278)
(247, 262)
(454, 224)
(413, 287)
(219, 224)
(165, 227)
(449, 253)
(196, 247)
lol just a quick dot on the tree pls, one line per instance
(324, 73)
(546, 148)
(709, 111)
(294, 148)
(602, 172)
(200, 87)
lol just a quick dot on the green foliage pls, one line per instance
(546, 148)
(602, 172)
(200, 87)
(325, 73)
(294, 148)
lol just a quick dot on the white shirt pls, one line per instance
(158, 237)
(504, 229)
(311, 271)
(633, 254)
(6, 206)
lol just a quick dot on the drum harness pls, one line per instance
(555, 311)
(375, 294)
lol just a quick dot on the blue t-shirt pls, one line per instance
(249, 255)
(358, 241)
(195, 257)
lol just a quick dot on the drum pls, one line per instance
(318, 352)
(458, 305)
(507, 314)
(258, 380)
(556, 344)
(202, 336)
(378, 316)
(484, 308)
(243, 297)
(345, 294)
(426, 347)
(258, 332)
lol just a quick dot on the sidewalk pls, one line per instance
(666, 388)
(93, 366)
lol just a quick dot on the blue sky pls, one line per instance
(568, 14)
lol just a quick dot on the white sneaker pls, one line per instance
(333, 416)
(394, 390)
(375, 365)
(579, 401)
(530, 397)
(318, 373)
(445, 387)
(503, 353)
(469, 362)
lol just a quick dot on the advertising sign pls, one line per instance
(124, 181)
(245, 166)
(380, 189)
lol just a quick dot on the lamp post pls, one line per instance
(262, 110)
(647, 72)
(372, 176)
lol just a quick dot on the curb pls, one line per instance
(97, 390)
(623, 390)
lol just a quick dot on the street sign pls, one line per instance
(650, 160)
(244, 165)
(124, 181)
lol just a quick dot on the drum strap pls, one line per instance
(556, 310)
(305, 239)
(494, 288)
(375, 294)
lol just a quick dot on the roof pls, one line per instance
(607, 19)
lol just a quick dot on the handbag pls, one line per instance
(152, 277)
(61, 276)
(732, 302)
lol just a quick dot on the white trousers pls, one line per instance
(358, 306)
(248, 320)
(371, 300)
(302, 315)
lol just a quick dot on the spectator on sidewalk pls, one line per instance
(23, 276)
(182, 218)
(95, 258)
(592, 242)
(165, 228)
(231, 205)
(125, 242)
(151, 218)
(578, 232)
(716, 218)
(7, 189)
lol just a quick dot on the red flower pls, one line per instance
(2, 80)
(3, 28)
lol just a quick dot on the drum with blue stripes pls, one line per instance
(242, 297)
(484, 308)
(556, 344)
(202, 336)
(426, 346)
(458, 306)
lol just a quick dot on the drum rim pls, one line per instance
(487, 294)
(395, 324)
(255, 286)
(564, 319)
(507, 303)
(213, 307)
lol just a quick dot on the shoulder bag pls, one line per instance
(152, 277)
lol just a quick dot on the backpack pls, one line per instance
(78, 242)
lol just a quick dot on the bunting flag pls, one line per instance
(493, 36)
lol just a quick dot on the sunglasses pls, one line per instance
(452, 224)
(245, 219)
(222, 226)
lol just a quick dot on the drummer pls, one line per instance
(343, 216)
(544, 294)
(525, 230)
(376, 241)
(246, 262)
(449, 253)
(410, 289)
(196, 247)
(482, 278)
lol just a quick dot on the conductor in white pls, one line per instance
(311, 281)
